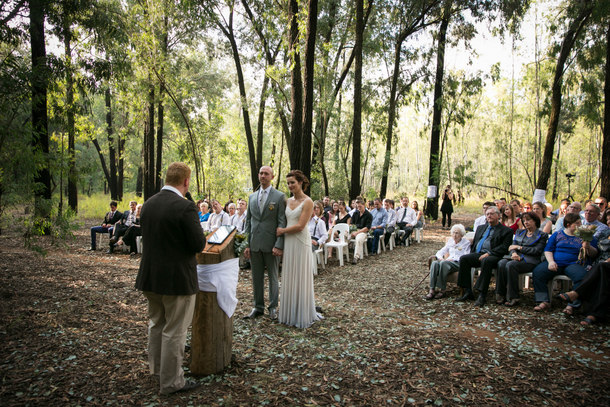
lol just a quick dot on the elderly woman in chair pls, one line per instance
(447, 261)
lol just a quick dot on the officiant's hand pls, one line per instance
(277, 252)
(247, 253)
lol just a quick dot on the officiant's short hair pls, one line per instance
(176, 173)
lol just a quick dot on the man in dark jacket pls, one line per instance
(171, 236)
(490, 244)
(110, 219)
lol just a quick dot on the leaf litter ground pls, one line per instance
(73, 331)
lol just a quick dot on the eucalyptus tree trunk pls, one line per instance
(355, 185)
(605, 175)
(160, 107)
(112, 175)
(40, 131)
(310, 51)
(149, 146)
(434, 171)
(72, 175)
(576, 26)
(296, 85)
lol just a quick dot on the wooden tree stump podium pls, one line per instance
(212, 334)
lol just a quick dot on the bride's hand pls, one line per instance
(279, 231)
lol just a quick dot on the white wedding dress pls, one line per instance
(297, 304)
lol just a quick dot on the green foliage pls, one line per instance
(56, 231)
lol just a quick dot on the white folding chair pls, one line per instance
(338, 241)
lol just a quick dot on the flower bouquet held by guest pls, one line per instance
(447, 261)
(525, 254)
(562, 257)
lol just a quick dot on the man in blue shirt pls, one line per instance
(380, 218)
(592, 212)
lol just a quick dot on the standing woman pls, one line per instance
(297, 305)
(447, 206)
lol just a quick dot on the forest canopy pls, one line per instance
(378, 98)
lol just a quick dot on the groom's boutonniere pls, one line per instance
(271, 206)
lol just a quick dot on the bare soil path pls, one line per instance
(73, 332)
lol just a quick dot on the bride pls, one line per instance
(297, 305)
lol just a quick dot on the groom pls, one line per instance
(266, 213)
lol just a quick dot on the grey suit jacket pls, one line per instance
(261, 225)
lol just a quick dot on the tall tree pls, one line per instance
(296, 84)
(355, 184)
(40, 131)
(310, 50)
(605, 173)
(412, 16)
(581, 11)
(434, 167)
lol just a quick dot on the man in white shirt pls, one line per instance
(218, 218)
(406, 218)
(481, 219)
(239, 218)
(388, 204)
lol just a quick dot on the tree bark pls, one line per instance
(72, 175)
(355, 185)
(576, 26)
(296, 84)
(112, 180)
(149, 146)
(160, 108)
(310, 51)
(40, 131)
(605, 175)
(434, 172)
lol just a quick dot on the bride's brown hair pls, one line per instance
(300, 177)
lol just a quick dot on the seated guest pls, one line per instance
(561, 211)
(112, 217)
(204, 212)
(510, 218)
(574, 207)
(231, 209)
(562, 257)
(517, 208)
(333, 214)
(362, 219)
(406, 219)
(594, 294)
(127, 220)
(499, 203)
(239, 218)
(525, 254)
(354, 207)
(129, 238)
(341, 216)
(447, 261)
(481, 220)
(327, 206)
(380, 219)
(540, 210)
(527, 207)
(602, 203)
(218, 218)
(549, 209)
(390, 226)
(592, 213)
(419, 215)
(317, 227)
(370, 205)
(490, 244)
(585, 204)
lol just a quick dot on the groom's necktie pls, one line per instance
(261, 199)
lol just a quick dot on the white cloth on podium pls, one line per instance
(221, 279)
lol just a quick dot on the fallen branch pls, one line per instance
(498, 188)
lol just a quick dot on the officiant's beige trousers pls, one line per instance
(170, 317)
